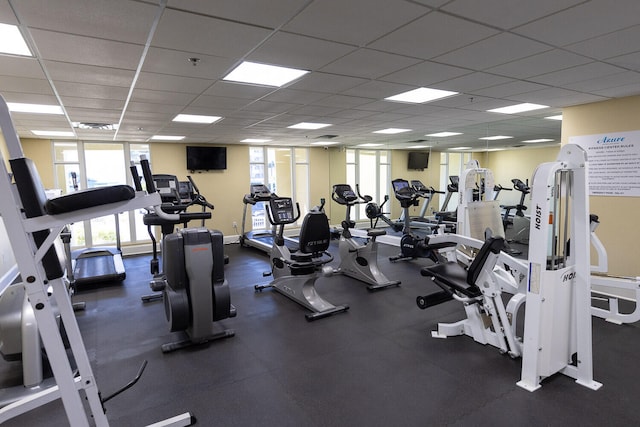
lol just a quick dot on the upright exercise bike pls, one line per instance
(295, 274)
(356, 260)
(412, 245)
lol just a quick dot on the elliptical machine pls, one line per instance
(412, 246)
(356, 260)
(295, 273)
(194, 289)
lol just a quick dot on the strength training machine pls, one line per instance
(33, 223)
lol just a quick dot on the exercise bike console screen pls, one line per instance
(282, 210)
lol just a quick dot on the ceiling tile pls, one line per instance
(121, 20)
(176, 62)
(631, 61)
(87, 50)
(609, 45)
(200, 34)
(290, 50)
(82, 90)
(508, 14)
(6, 13)
(26, 85)
(472, 82)
(328, 83)
(66, 72)
(155, 81)
(425, 74)
(21, 67)
(492, 51)
(588, 19)
(432, 35)
(369, 64)
(294, 96)
(357, 22)
(576, 74)
(272, 13)
(156, 96)
(542, 63)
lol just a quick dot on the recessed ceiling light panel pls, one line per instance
(309, 125)
(52, 133)
(194, 118)
(444, 134)
(17, 107)
(263, 74)
(495, 138)
(558, 117)
(518, 108)
(392, 131)
(538, 140)
(421, 95)
(12, 42)
(167, 138)
(255, 140)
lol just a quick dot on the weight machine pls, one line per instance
(33, 224)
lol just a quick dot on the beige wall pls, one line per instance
(517, 163)
(618, 230)
(39, 150)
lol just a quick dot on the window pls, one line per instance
(285, 171)
(451, 164)
(79, 165)
(369, 170)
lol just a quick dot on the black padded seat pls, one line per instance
(450, 276)
(89, 198)
(375, 232)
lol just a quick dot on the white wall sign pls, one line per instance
(614, 163)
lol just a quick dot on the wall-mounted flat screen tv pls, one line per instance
(418, 160)
(202, 158)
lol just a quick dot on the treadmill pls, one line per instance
(260, 239)
(98, 264)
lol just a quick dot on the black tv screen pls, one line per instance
(206, 158)
(418, 160)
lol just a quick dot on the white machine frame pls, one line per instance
(73, 389)
(558, 323)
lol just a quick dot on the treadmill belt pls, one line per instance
(96, 269)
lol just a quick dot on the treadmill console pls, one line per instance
(260, 192)
(282, 210)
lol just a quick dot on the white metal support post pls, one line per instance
(558, 308)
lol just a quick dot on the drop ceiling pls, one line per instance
(128, 62)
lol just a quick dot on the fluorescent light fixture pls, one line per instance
(12, 42)
(518, 108)
(419, 146)
(495, 138)
(17, 107)
(263, 74)
(193, 118)
(369, 144)
(167, 138)
(494, 149)
(392, 131)
(460, 148)
(421, 95)
(539, 140)
(52, 133)
(308, 125)
(324, 143)
(255, 140)
(444, 134)
(558, 117)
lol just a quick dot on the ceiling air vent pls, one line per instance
(417, 140)
(326, 136)
(95, 126)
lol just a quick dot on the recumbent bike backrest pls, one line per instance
(315, 235)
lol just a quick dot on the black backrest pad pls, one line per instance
(491, 245)
(315, 235)
(89, 198)
(33, 199)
